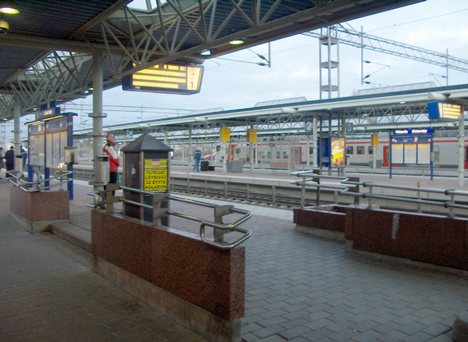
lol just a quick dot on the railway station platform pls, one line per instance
(298, 288)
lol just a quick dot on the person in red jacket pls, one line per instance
(114, 161)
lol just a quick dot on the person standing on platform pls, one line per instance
(114, 161)
(10, 160)
(196, 160)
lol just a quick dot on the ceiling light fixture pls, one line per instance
(236, 42)
(205, 53)
(7, 7)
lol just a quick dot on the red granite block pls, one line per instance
(436, 240)
(124, 243)
(209, 277)
(372, 231)
(465, 253)
(40, 206)
(349, 222)
(322, 219)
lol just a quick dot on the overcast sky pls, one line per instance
(433, 24)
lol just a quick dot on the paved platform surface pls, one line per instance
(298, 288)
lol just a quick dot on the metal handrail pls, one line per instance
(446, 203)
(38, 185)
(228, 227)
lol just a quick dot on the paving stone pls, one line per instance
(418, 337)
(295, 332)
(366, 336)
(274, 338)
(436, 329)
(292, 280)
(343, 335)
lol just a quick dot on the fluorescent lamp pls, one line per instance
(236, 42)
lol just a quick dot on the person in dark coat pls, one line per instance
(10, 160)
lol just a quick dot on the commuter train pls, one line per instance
(359, 152)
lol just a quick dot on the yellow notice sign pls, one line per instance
(375, 139)
(225, 134)
(252, 135)
(155, 175)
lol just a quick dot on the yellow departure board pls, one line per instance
(166, 78)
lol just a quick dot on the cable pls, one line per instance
(418, 20)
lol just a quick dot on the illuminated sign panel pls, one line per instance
(440, 110)
(166, 78)
(338, 152)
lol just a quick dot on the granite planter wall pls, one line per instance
(36, 210)
(190, 277)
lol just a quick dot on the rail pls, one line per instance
(351, 186)
(312, 178)
(219, 228)
(15, 177)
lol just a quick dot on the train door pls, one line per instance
(296, 154)
(386, 156)
(323, 151)
(466, 157)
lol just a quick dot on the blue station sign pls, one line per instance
(413, 131)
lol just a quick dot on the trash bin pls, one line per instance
(204, 165)
(235, 166)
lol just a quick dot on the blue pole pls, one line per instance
(431, 162)
(390, 162)
(70, 144)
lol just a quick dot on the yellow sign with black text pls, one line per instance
(155, 175)
(225, 134)
(252, 135)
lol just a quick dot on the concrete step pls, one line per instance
(76, 235)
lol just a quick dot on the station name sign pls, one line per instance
(166, 78)
(413, 131)
(442, 110)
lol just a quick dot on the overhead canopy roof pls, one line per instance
(47, 53)
(383, 109)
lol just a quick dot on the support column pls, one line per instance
(17, 138)
(461, 148)
(314, 142)
(97, 115)
(330, 133)
(190, 154)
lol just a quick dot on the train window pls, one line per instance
(285, 154)
(238, 151)
(269, 155)
(360, 150)
(278, 154)
(349, 149)
(370, 149)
